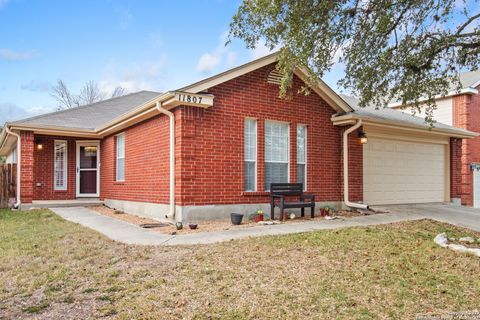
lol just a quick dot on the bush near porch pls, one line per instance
(50, 268)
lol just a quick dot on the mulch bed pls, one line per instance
(205, 226)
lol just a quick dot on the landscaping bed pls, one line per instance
(213, 225)
(54, 269)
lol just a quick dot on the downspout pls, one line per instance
(171, 213)
(19, 164)
(345, 168)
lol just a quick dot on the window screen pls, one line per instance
(120, 163)
(250, 155)
(277, 152)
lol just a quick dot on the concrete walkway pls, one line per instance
(131, 234)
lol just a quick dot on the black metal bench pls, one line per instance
(279, 192)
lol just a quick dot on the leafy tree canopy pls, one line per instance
(393, 50)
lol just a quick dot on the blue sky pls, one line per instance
(150, 45)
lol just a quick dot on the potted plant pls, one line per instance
(257, 216)
(236, 218)
(326, 210)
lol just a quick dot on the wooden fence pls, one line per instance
(8, 173)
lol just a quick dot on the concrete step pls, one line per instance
(87, 202)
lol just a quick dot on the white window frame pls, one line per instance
(305, 156)
(288, 162)
(65, 164)
(255, 187)
(117, 157)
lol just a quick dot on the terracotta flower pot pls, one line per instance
(258, 217)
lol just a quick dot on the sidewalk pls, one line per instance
(131, 234)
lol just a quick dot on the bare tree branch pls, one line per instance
(90, 93)
(118, 92)
(64, 97)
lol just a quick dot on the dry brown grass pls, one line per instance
(50, 268)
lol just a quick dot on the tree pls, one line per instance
(90, 93)
(398, 50)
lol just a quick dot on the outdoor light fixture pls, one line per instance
(475, 166)
(363, 137)
(39, 144)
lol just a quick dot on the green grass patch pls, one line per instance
(36, 308)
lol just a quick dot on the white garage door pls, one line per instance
(396, 172)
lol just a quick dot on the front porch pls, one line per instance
(59, 171)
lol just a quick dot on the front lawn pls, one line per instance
(50, 268)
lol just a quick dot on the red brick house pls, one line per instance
(231, 136)
(460, 108)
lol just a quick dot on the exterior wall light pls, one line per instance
(475, 166)
(39, 144)
(363, 137)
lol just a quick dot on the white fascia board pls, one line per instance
(452, 132)
(476, 84)
(207, 83)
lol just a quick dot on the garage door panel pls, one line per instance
(398, 172)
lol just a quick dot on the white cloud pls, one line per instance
(208, 61)
(260, 50)
(231, 59)
(10, 55)
(37, 86)
(135, 77)
(125, 16)
(12, 112)
(155, 40)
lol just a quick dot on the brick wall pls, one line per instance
(27, 167)
(43, 184)
(209, 150)
(355, 168)
(466, 115)
(211, 143)
(146, 163)
(455, 168)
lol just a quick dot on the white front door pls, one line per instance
(88, 165)
(476, 188)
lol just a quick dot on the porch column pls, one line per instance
(26, 163)
(456, 169)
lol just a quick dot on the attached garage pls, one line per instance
(397, 170)
(405, 160)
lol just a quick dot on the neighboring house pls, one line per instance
(233, 136)
(461, 108)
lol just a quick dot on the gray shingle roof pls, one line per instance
(392, 115)
(94, 115)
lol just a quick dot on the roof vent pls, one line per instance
(274, 77)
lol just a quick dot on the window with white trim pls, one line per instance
(60, 165)
(250, 155)
(120, 158)
(302, 155)
(277, 153)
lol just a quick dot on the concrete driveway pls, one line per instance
(131, 234)
(460, 216)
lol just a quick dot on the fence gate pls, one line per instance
(7, 185)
